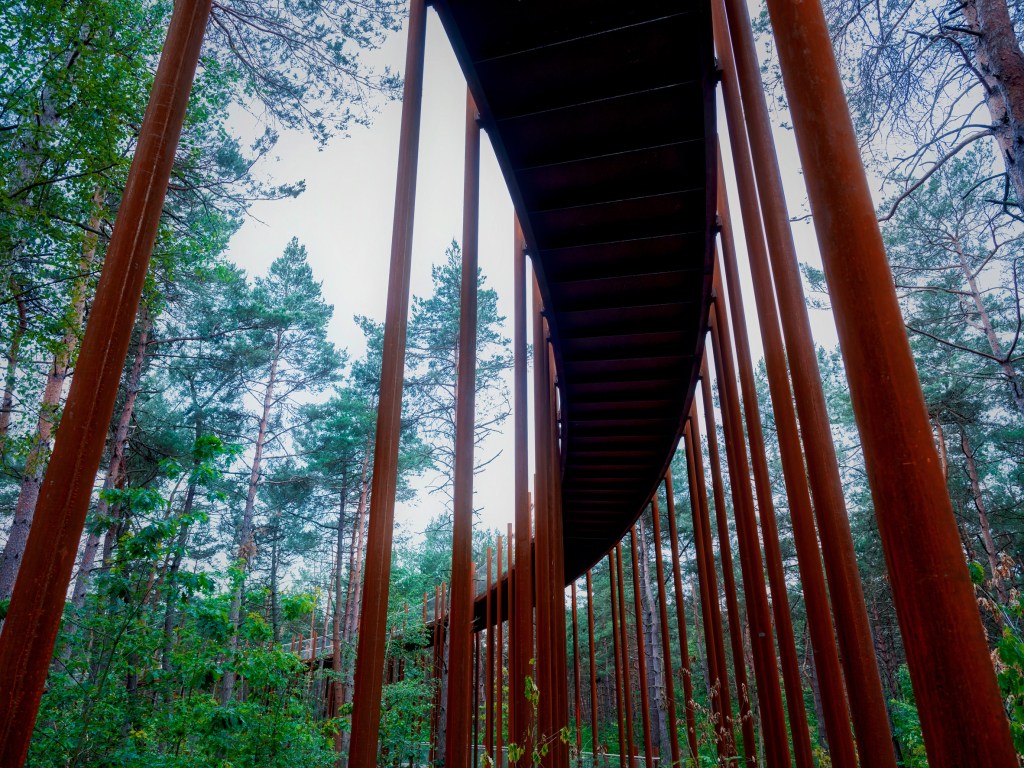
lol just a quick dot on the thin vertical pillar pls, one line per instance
(33, 618)
(593, 670)
(766, 669)
(728, 573)
(460, 622)
(489, 652)
(935, 603)
(684, 643)
(666, 643)
(576, 674)
(645, 704)
(377, 572)
(617, 651)
(476, 700)
(523, 634)
(500, 664)
(627, 693)
(819, 616)
(707, 580)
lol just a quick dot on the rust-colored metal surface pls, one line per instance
(620, 711)
(602, 118)
(37, 603)
(684, 643)
(377, 573)
(962, 715)
(666, 643)
(732, 606)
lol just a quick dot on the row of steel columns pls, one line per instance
(961, 711)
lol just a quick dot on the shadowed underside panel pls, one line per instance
(602, 118)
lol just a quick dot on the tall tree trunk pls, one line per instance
(35, 462)
(13, 358)
(246, 546)
(172, 598)
(337, 687)
(983, 522)
(652, 641)
(120, 443)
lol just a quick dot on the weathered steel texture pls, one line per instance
(523, 613)
(666, 643)
(766, 674)
(707, 580)
(684, 643)
(457, 734)
(377, 571)
(867, 702)
(962, 715)
(641, 655)
(34, 615)
(627, 693)
(594, 719)
(620, 710)
(743, 692)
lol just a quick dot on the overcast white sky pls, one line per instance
(345, 217)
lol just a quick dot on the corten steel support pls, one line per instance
(627, 693)
(728, 574)
(638, 613)
(499, 677)
(457, 734)
(576, 674)
(523, 632)
(946, 647)
(542, 534)
(684, 643)
(707, 581)
(620, 709)
(593, 670)
(819, 617)
(377, 572)
(489, 666)
(34, 614)
(766, 668)
(666, 643)
(867, 702)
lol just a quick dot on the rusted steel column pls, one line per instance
(617, 655)
(666, 643)
(707, 580)
(684, 643)
(377, 573)
(867, 702)
(576, 673)
(819, 618)
(638, 613)
(593, 670)
(457, 734)
(523, 632)
(34, 614)
(627, 694)
(728, 574)
(500, 664)
(489, 666)
(766, 670)
(946, 647)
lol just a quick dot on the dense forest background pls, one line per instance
(229, 517)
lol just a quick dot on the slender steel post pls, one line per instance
(684, 643)
(593, 670)
(499, 665)
(511, 641)
(627, 693)
(457, 734)
(707, 580)
(819, 617)
(37, 602)
(489, 666)
(766, 673)
(666, 643)
(617, 651)
(377, 573)
(935, 603)
(728, 573)
(576, 674)
(523, 634)
(645, 705)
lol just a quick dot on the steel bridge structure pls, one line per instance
(602, 116)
